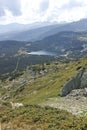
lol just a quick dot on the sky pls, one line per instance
(30, 11)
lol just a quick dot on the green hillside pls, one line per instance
(33, 88)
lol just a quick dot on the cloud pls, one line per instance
(72, 4)
(13, 6)
(29, 11)
(68, 10)
(73, 10)
(44, 5)
(2, 12)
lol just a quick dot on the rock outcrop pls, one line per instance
(77, 82)
(16, 105)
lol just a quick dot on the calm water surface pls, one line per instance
(41, 52)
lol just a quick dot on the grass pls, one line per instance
(46, 86)
(47, 118)
(40, 89)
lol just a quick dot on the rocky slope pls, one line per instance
(77, 82)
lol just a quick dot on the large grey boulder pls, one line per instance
(75, 82)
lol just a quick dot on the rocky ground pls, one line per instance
(75, 102)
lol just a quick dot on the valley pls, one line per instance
(64, 46)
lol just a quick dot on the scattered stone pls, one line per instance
(85, 92)
(16, 105)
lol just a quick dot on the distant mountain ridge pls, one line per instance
(25, 32)
(38, 31)
(17, 27)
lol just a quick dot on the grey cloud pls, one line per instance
(72, 4)
(2, 11)
(44, 5)
(12, 5)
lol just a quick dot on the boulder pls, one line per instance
(75, 82)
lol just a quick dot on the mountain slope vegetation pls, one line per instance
(36, 85)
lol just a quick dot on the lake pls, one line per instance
(41, 52)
